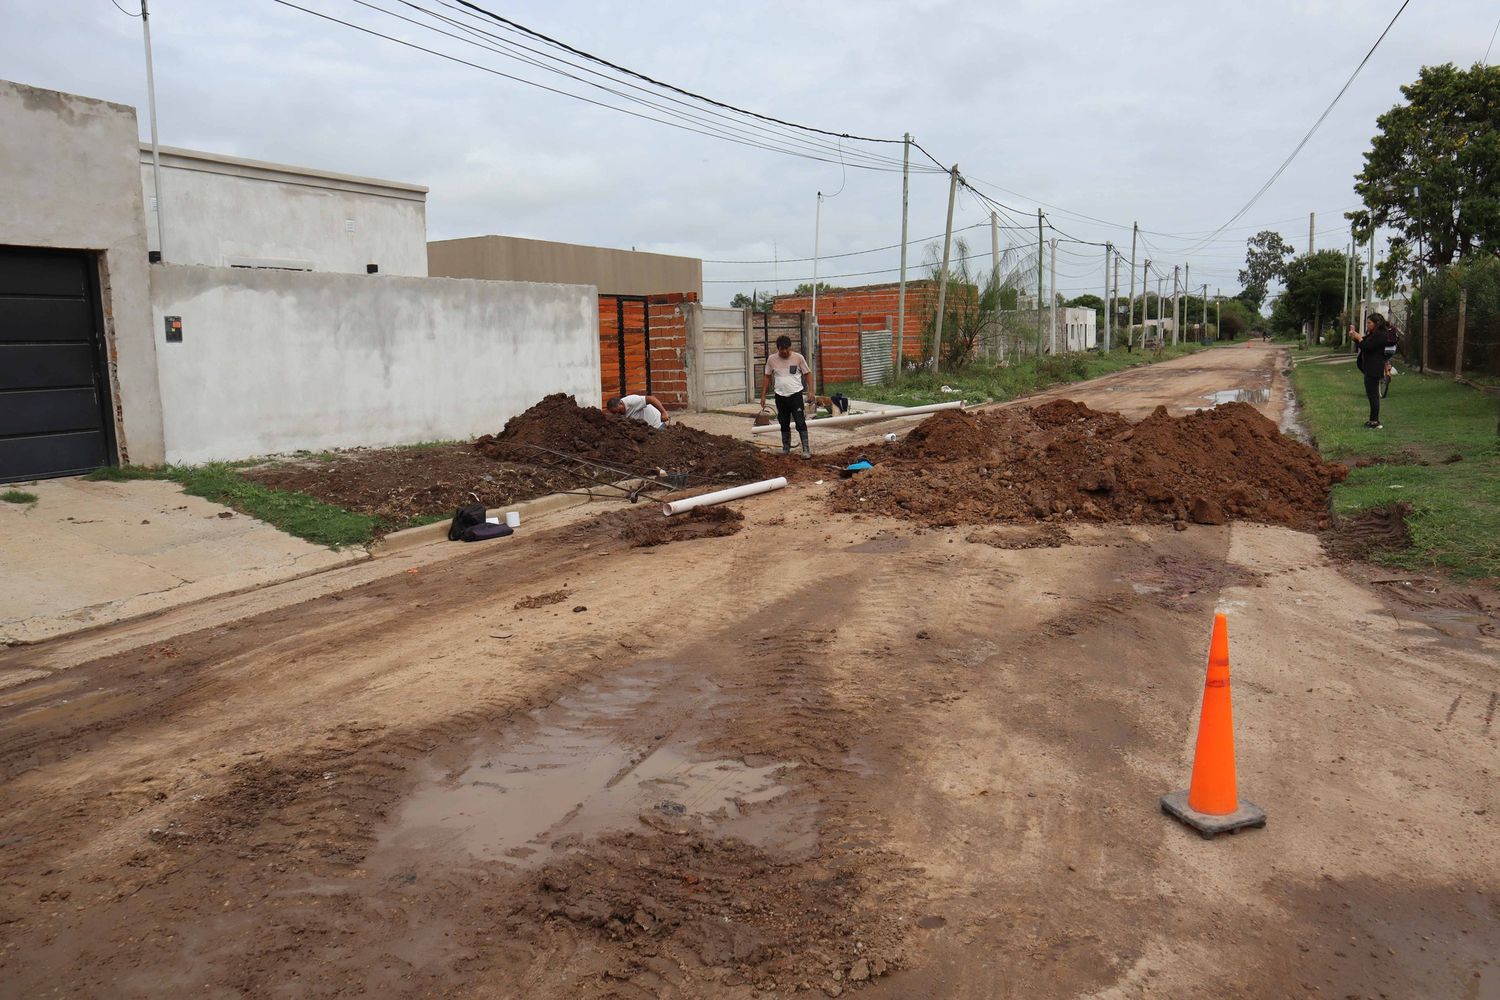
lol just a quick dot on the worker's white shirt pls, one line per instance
(787, 373)
(636, 408)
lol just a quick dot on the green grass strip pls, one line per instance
(295, 513)
(18, 496)
(1455, 518)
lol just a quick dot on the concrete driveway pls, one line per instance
(90, 553)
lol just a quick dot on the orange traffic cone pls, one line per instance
(1211, 804)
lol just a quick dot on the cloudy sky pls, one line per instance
(1166, 112)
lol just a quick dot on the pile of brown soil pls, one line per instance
(1062, 459)
(559, 424)
(401, 485)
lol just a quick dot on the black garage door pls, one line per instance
(54, 402)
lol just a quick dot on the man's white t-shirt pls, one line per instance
(787, 372)
(636, 408)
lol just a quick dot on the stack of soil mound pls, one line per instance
(1063, 459)
(558, 423)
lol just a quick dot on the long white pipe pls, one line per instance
(720, 496)
(859, 418)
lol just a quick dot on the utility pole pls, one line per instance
(1424, 331)
(937, 333)
(1458, 344)
(1145, 299)
(1161, 312)
(1109, 251)
(1203, 328)
(1109, 344)
(995, 247)
(1186, 278)
(1218, 312)
(161, 247)
(901, 292)
(1039, 282)
(1130, 315)
(817, 360)
(1176, 271)
(1364, 302)
(1343, 317)
(1310, 216)
(1052, 297)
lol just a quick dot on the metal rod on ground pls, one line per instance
(859, 418)
(720, 496)
(937, 335)
(161, 246)
(901, 291)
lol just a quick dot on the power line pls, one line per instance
(666, 86)
(1315, 125)
(835, 256)
(511, 48)
(577, 97)
(127, 13)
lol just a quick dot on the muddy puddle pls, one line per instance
(609, 757)
(1255, 397)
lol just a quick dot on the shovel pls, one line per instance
(763, 418)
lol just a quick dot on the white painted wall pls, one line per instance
(1077, 328)
(274, 361)
(69, 179)
(223, 211)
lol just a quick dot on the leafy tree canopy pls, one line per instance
(1314, 288)
(1265, 257)
(759, 302)
(1432, 172)
(806, 288)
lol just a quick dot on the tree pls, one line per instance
(1095, 303)
(1265, 258)
(1314, 290)
(1432, 172)
(806, 288)
(969, 310)
(760, 302)
(1235, 317)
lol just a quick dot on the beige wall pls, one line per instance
(71, 180)
(613, 272)
(224, 211)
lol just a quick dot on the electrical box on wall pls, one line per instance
(174, 329)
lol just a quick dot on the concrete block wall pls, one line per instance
(274, 361)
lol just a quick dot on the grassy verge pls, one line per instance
(295, 513)
(18, 496)
(977, 383)
(1438, 452)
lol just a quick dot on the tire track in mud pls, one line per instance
(294, 815)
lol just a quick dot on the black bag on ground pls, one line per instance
(479, 532)
(465, 518)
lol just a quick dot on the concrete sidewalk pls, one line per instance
(91, 553)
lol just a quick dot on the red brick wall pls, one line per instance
(838, 344)
(668, 380)
(876, 304)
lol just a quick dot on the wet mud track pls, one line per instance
(823, 755)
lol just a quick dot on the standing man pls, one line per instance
(793, 380)
(647, 409)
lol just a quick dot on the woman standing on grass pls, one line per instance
(1370, 359)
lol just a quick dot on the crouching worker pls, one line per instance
(647, 409)
(793, 381)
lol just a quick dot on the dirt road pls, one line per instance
(826, 755)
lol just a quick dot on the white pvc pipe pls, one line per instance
(720, 496)
(859, 418)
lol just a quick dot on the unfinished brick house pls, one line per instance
(847, 315)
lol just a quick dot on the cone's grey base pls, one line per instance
(1247, 815)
